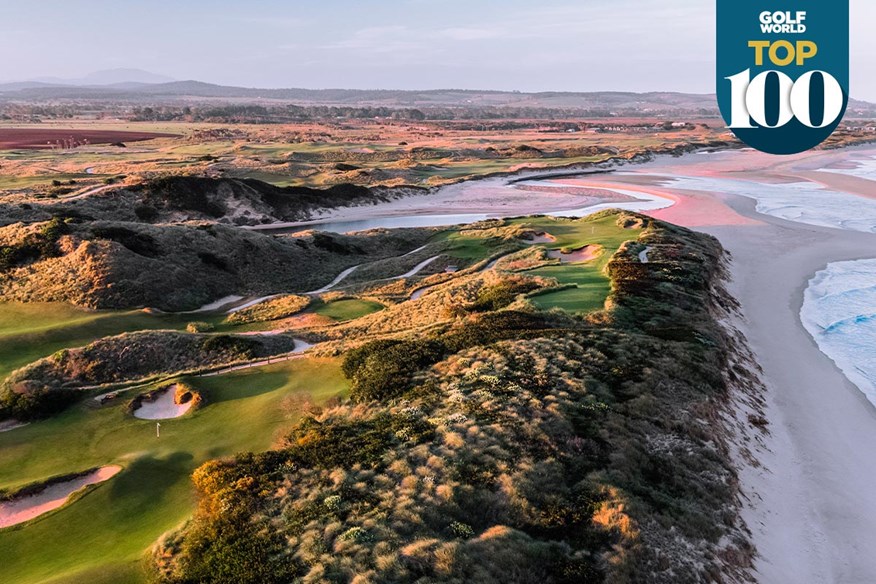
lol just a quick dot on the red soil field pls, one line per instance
(36, 138)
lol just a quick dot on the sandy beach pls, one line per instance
(812, 504)
(810, 500)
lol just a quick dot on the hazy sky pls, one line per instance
(529, 45)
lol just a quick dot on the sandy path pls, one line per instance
(643, 255)
(50, 498)
(300, 348)
(416, 269)
(88, 192)
(9, 425)
(418, 293)
(252, 302)
(216, 305)
(340, 277)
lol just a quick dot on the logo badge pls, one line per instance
(783, 71)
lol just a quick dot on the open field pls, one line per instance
(60, 138)
(108, 529)
(322, 153)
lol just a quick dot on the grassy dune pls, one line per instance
(103, 536)
(108, 529)
(31, 331)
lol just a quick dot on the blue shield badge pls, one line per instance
(783, 71)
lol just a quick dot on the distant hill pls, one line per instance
(110, 77)
(137, 91)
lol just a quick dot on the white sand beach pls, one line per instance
(810, 498)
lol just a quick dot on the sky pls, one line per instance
(525, 45)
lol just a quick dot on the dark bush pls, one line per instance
(140, 243)
(146, 212)
(382, 370)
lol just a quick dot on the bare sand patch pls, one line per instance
(163, 405)
(543, 237)
(52, 497)
(577, 256)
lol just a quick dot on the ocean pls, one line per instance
(802, 202)
(839, 303)
(839, 311)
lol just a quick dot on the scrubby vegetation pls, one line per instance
(175, 267)
(504, 445)
(273, 309)
(196, 198)
(33, 245)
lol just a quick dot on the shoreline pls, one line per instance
(815, 485)
(807, 481)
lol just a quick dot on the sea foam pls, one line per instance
(801, 202)
(839, 311)
(864, 168)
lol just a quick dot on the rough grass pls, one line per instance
(273, 309)
(504, 444)
(116, 521)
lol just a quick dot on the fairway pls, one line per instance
(591, 284)
(121, 518)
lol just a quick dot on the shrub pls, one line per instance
(146, 212)
(200, 327)
(382, 370)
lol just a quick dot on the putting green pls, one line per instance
(349, 309)
(109, 529)
(591, 284)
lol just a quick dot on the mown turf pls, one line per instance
(349, 309)
(113, 524)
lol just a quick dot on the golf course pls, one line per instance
(243, 410)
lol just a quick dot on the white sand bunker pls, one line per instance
(26, 508)
(165, 404)
(540, 238)
(584, 254)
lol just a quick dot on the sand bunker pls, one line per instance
(54, 496)
(540, 238)
(9, 425)
(163, 406)
(643, 255)
(585, 254)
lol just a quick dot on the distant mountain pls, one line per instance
(109, 77)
